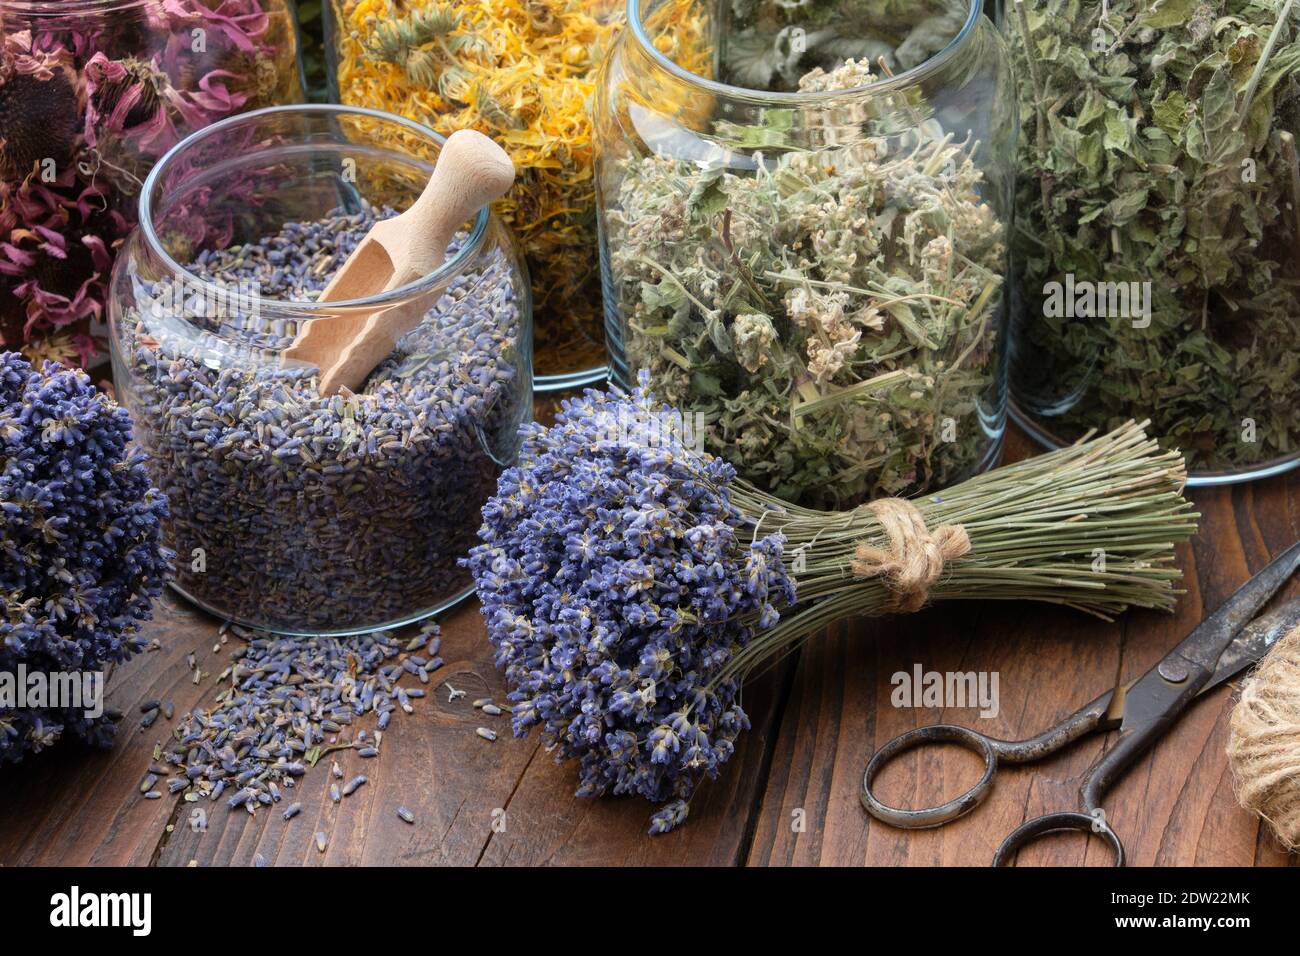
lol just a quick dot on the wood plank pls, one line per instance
(75, 805)
(431, 762)
(1175, 806)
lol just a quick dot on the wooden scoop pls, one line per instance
(471, 172)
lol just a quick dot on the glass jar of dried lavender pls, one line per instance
(523, 72)
(92, 93)
(293, 511)
(804, 212)
(1158, 226)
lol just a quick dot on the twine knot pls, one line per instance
(916, 555)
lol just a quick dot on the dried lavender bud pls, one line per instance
(258, 465)
(80, 560)
(252, 738)
(654, 581)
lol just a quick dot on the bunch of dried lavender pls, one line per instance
(80, 560)
(631, 584)
(833, 314)
(1158, 151)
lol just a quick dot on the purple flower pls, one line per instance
(80, 559)
(617, 579)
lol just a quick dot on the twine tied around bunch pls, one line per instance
(916, 555)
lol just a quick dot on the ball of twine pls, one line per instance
(1264, 741)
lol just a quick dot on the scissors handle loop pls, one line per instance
(930, 816)
(1031, 830)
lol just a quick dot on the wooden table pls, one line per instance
(788, 796)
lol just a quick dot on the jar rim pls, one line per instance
(450, 267)
(908, 77)
(44, 10)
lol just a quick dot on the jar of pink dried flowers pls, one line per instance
(92, 93)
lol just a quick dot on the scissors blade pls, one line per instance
(1254, 642)
(1207, 642)
(1159, 695)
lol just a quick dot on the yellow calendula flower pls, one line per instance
(523, 72)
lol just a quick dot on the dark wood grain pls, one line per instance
(790, 794)
(1175, 806)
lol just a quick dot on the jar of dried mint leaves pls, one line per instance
(292, 511)
(523, 72)
(804, 214)
(92, 93)
(1158, 226)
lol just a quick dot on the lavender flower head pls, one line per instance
(80, 560)
(616, 579)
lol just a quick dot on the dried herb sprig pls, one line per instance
(770, 44)
(631, 584)
(834, 315)
(1158, 147)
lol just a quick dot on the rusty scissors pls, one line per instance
(1222, 645)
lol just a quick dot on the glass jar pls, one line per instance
(92, 93)
(292, 511)
(1158, 227)
(804, 213)
(522, 72)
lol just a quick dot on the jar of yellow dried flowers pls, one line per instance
(521, 71)
(92, 94)
(804, 214)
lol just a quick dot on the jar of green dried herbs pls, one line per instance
(290, 510)
(1158, 225)
(804, 216)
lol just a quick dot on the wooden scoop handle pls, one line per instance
(471, 172)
